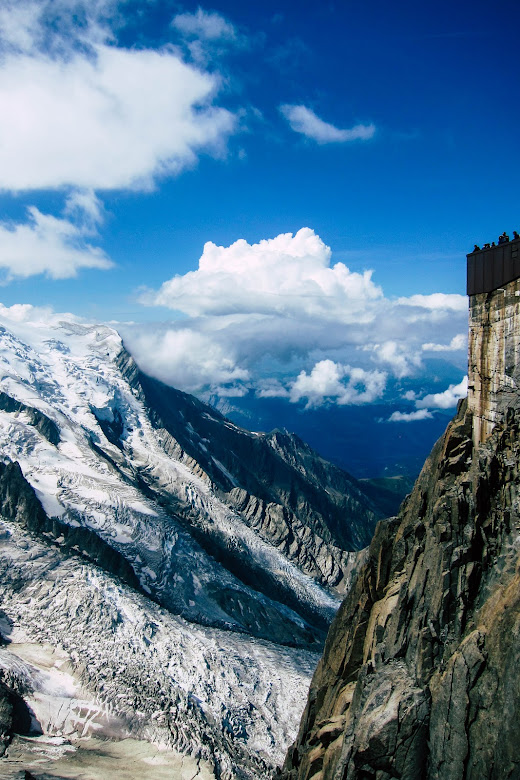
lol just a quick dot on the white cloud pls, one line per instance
(79, 111)
(271, 388)
(304, 120)
(447, 399)
(204, 24)
(48, 245)
(56, 26)
(25, 312)
(19, 24)
(185, 358)
(288, 275)
(329, 381)
(115, 122)
(294, 322)
(402, 360)
(460, 341)
(85, 207)
(437, 301)
(420, 414)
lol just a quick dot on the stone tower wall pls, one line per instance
(493, 357)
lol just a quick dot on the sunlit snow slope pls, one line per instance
(172, 543)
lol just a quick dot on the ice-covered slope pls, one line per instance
(228, 531)
(120, 666)
(69, 373)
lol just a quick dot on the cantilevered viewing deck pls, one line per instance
(489, 269)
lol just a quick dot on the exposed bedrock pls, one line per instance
(419, 675)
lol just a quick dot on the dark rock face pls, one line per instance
(307, 508)
(18, 502)
(41, 422)
(276, 468)
(6, 718)
(15, 715)
(419, 675)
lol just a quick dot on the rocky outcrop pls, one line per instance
(418, 678)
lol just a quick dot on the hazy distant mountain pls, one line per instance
(358, 438)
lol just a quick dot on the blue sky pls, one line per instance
(374, 136)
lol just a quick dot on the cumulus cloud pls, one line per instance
(25, 312)
(192, 359)
(297, 325)
(289, 274)
(447, 399)
(50, 245)
(420, 414)
(329, 381)
(303, 120)
(459, 341)
(398, 356)
(79, 111)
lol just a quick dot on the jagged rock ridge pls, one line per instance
(419, 674)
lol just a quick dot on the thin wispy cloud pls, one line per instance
(207, 37)
(208, 25)
(53, 246)
(303, 120)
(420, 414)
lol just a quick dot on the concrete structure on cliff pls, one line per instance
(494, 335)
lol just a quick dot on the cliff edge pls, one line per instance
(419, 677)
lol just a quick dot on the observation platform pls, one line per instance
(489, 269)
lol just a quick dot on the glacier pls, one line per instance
(174, 597)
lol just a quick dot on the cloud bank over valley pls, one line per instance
(281, 320)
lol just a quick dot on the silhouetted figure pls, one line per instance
(493, 244)
(515, 235)
(487, 246)
(504, 238)
(476, 248)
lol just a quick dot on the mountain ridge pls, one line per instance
(130, 527)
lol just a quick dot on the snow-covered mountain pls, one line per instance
(182, 569)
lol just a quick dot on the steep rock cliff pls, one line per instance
(494, 350)
(419, 675)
